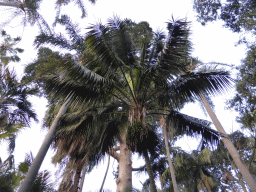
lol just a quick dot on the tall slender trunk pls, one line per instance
(105, 176)
(7, 4)
(124, 180)
(150, 172)
(175, 186)
(33, 170)
(79, 166)
(231, 148)
(238, 175)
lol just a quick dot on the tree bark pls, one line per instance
(105, 176)
(238, 175)
(175, 186)
(124, 180)
(79, 166)
(231, 148)
(150, 172)
(82, 179)
(33, 170)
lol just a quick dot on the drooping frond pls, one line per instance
(72, 30)
(193, 126)
(80, 3)
(53, 39)
(212, 83)
(79, 84)
(78, 130)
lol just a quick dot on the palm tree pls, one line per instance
(127, 63)
(15, 108)
(30, 11)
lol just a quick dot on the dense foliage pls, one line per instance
(236, 14)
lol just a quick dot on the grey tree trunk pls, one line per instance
(124, 180)
(105, 176)
(231, 148)
(175, 186)
(33, 170)
(7, 4)
(150, 172)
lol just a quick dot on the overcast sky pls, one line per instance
(211, 43)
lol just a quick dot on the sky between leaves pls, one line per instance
(211, 43)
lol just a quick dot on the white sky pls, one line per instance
(211, 43)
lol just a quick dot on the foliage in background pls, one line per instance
(11, 177)
(237, 14)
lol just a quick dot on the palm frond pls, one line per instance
(212, 83)
(174, 56)
(53, 39)
(192, 126)
(72, 30)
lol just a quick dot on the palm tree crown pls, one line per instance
(126, 68)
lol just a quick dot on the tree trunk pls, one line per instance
(150, 172)
(33, 170)
(231, 148)
(6, 4)
(79, 166)
(238, 175)
(105, 176)
(82, 179)
(124, 180)
(175, 186)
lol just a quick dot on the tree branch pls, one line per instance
(116, 148)
(113, 154)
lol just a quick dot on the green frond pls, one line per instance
(173, 58)
(193, 126)
(192, 84)
(53, 39)
(72, 30)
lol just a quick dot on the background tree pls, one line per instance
(237, 14)
(15, 108)
(245, 98)
(29, 10)
(11, 177)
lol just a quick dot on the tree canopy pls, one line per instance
(237, 14)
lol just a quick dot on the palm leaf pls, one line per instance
(193, 126)
(191, 84)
